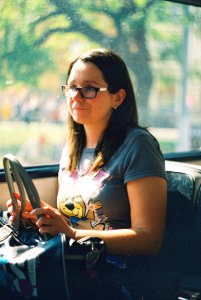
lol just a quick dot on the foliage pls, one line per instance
(22, 60)
(39, 35)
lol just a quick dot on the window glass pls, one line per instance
(159, 40)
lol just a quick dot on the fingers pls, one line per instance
(9, 203)
(46, 224)
(27, 215)
(43, 221)
(11, 211)
(28, 208)
(17, 195)
(46, 210)
(49, 220)
(12, 218)
(44, 214)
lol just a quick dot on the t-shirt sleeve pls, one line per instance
(143, 158)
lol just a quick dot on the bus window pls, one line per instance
(159, 40)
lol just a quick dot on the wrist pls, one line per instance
(72, 233)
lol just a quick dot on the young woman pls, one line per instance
(112, 182)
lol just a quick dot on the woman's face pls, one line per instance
(89, 112)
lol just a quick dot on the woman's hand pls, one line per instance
(26, 214)
(51, 221)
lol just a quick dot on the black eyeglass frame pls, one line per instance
(66, 87)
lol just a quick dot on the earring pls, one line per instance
(115, 107)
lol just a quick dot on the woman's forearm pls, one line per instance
(139, 240)
(124, 241)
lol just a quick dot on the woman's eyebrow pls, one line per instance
(91, 81)
(85, 81)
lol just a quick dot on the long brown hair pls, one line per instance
(116, 75)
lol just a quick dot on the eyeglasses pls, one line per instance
(86, 92)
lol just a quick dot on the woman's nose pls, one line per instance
(77, 96)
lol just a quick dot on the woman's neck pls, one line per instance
(92, 136)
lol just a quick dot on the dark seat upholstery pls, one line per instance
(163, 276)
(190, 281)
(180, 220)
(180, 255)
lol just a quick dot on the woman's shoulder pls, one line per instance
(139, 133)
(139, 140)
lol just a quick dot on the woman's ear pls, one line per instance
(119, 98)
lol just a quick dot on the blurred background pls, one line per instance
(159, 40)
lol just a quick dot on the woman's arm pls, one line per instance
(147, 197)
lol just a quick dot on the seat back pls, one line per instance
(180, 255)
(182, 215)
(180, 219)
(190, 281)
(159, 277)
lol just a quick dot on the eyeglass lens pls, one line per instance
(85, 92)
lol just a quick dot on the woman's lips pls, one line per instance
(76, 107)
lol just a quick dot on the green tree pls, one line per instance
(119, 25)
(21, 60)
(123, 25)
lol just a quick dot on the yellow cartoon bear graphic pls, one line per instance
(75, 209)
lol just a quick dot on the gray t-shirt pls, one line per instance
(100, 201)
